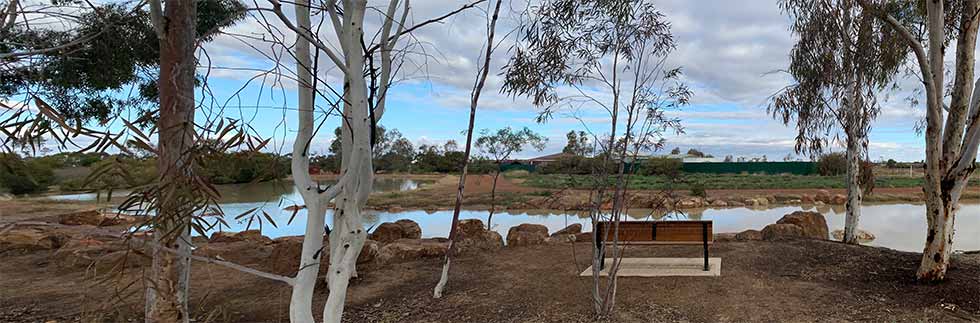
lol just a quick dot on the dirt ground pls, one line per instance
(783, 281)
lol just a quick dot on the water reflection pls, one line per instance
(897, 226)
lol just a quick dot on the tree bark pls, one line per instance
(167, 294)
(474, 101)
(854, 192)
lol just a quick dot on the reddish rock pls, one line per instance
(838, 199)
(526, 234)
(248, 235)
(88, 217)
(806, 199)
(813, 224)
(573, 229)
(583, 237)
(749, 235)
(862, 236)
(782, 231)
(32, 239)
(474, 236)
(412, 249)
(823, 196)
(402, 229)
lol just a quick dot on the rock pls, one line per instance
(770, 199)
(247, 235)
(285, 254)
(412, 249)
(719, 203)
(572, 229)
(117, 219)
(794, 201)
(87, 217)
(813, 224)
(818, 203)
(749, 235)
(781, 231)
(410, 229)
(806, 199)
(32, 239)
(763, 201)
(838, 199)
(724, 236)
(526, 234)
(583, 237)
(862, 236)
(823, 196)
(242, 252)
(474, 236)
(735, 203)
(688, 203)
(402, 229)
(369, 252)
(751, 202)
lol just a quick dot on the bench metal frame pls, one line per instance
(600, 240)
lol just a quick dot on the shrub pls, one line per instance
(18, 177)
(697, 189)
(832, 164)
(663, 166)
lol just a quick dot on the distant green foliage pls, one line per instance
(832, 164)
(719, 181)
(242, 167)
(662, 166)
(20, 176)
(572, 165)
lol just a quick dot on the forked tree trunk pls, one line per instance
(854, 191)
(170, 273)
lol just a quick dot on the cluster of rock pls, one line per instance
(799, 224)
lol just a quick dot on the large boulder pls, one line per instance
(87, 217)
(472, 235)
(823, 196)
(412, 249)
(838, 199)
(527, 234)
(567, 234)
(32, 239)
(583, 237)
(247, 235)
(780, 231)
(813, 224)
(749, 235)
(862, 236)
(402, 229)
(285, 254)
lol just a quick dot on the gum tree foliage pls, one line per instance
(952, 132)
(611, 55)
(500, 146)
(844, 56)
(577, 143)
(112, 67)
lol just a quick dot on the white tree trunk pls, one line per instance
(301, 300)
(854, 192)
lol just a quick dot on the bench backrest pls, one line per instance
(662, 232)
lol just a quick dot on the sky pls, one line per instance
(729, 52)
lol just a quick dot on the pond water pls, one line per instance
(896, 226)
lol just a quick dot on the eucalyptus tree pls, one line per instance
(952, 131)
(611, 55)
(842, 58)
(481, 79)
(500, 146)
(83, 58)
(367, 70)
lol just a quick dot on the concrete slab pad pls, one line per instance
(662, 267)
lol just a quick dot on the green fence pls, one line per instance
(510, 167)
(797, 168)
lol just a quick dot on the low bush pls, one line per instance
(832, 164)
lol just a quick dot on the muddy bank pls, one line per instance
(512, 194)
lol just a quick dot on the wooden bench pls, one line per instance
(687, 232)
